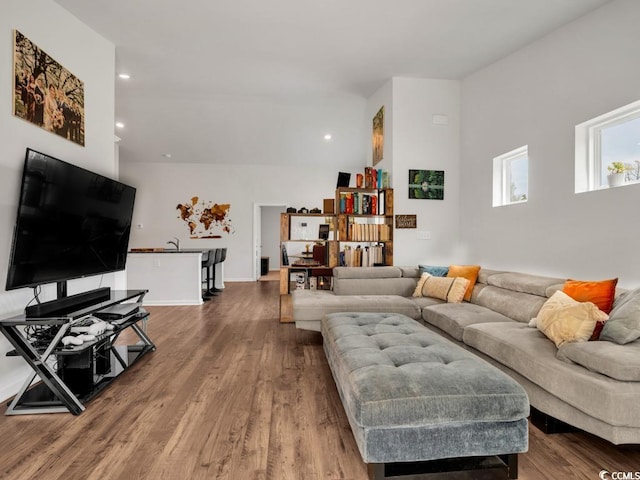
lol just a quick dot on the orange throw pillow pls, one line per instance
(602, 293)
(470, 272)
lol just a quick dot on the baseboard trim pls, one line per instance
(170, 303)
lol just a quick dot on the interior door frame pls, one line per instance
(257, 234)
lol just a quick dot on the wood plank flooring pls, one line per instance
(233, 394)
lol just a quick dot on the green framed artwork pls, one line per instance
(426, 184)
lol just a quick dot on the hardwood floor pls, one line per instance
(231, 393)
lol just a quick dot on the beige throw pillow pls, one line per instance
(449, 289)
(423, 278)
(564, 320)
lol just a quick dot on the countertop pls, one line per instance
(169, 250)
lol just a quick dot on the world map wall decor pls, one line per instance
(206, 219)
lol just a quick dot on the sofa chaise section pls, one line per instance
(583, 398)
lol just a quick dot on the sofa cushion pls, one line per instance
(615, 361)
(314, 304)
(602, 293)
(410, 272)
(367, 272)
(374, 281)
(424, 302)
(453, 318)
(402, 287)
(623, 325)
(563, 319)
(470, 272)
(534, 357)
(518, 306)
(524, 282)
(485, 273)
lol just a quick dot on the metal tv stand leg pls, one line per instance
(47, 374)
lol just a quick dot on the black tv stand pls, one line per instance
(79, 372)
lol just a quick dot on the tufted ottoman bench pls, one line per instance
(418, 403)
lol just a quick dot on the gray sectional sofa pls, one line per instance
(594, 386)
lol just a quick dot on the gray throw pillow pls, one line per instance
(623, 325)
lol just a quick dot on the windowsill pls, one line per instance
(511, 203)
(625, 184)
(607, 187)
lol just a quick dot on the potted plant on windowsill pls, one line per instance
(617, 174)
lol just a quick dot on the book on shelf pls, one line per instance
(369, 232)
(384, 233)
(383, 179)
(375, 178)
(368, 177)
(358, 203)
(359, 256)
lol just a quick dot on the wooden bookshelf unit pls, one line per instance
(360, 234)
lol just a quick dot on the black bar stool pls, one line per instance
(221, 255)
(208, 265)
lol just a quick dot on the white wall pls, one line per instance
(161, 187)
(536, 96)
(269, 152)
(383, 97)
(412, 141)
(91, 58)
(421, 144)
(416, 143)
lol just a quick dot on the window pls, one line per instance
(610, 138)
(511, 177)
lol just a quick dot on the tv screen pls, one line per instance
(71, 223)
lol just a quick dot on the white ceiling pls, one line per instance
(205, 73)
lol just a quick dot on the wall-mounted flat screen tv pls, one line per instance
(71, 223)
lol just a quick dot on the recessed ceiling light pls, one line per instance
(119, 125)
(327, 136)
(166, 155)
(125, 76)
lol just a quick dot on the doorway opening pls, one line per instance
(267, 241)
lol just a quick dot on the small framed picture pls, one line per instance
(426, 184)
(406, 221)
